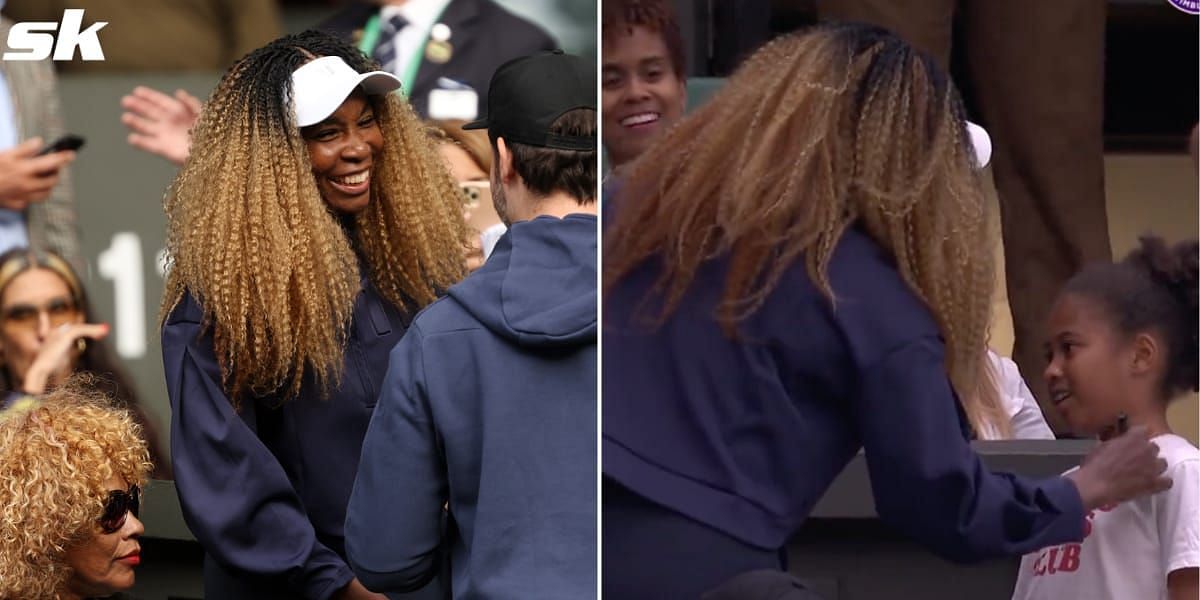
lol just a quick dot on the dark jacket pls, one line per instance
(745, 435)
(265, 490)
(490, 404)
(483, 34)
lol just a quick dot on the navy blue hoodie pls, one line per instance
(745, 435)
(489, 404)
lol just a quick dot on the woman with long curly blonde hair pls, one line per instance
(71, 467)
(801, 268)
(312, 219)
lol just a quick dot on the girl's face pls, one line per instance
(1088, 366)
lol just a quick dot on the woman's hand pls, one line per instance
(160, 124)
(1120, 469)
(474, 254)
(356, 591)
(56, 358)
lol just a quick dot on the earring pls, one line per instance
(81, 344)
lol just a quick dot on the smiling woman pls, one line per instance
(311, 221)
(68, 520)
(342, 149)
(642, 76)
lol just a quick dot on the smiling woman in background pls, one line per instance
(72, 467)
(311, 221)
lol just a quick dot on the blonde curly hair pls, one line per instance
(842, 125)
(56, 454)
(275, 270)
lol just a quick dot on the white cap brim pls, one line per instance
(321, 85)
(982, 143)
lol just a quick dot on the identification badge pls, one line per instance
(438, 52)
(453, 104)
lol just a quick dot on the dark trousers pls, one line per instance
(1036, 69)
(651, 552)
(223, 583)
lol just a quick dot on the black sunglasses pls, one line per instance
(119, 505)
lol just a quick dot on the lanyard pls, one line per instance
(370, 39)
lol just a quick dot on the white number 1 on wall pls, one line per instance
(121, 263)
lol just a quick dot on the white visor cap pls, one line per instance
(982, 143)
(321, 85)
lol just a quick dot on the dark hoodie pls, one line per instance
(489, 404)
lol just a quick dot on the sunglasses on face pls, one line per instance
(473, 191)
(58, 311)
(120, 504)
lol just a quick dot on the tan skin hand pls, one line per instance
(160, 124)
(356, 591)
(57, 355)
(1120, 469)
(474, 252)
(25, 177)
(1183, 584)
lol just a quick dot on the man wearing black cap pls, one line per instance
(488, 409)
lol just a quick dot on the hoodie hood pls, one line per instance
(538, 288)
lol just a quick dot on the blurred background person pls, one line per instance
(162, 35)
(37, 205)
(158, 123)
(426, 42)
(72, 467)
(1020, 410)
(642, 76)
(48, 332)
(469, 158)
(443, 51)
(310, 224)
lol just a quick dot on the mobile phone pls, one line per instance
(62, 144)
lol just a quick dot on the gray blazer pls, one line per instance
(51, 224)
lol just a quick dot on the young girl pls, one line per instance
(1122, 344)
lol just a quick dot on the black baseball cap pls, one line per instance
(528, 94)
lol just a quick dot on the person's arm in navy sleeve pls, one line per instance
(235, 496)
(931, 485)
(393, 523)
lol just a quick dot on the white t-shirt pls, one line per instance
(1022, 408)
(1128, 550)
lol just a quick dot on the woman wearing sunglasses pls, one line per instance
(48, 332)
(72, 467)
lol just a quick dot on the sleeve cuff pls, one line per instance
(1064, 497)
(341, 578)
(1186, 560)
